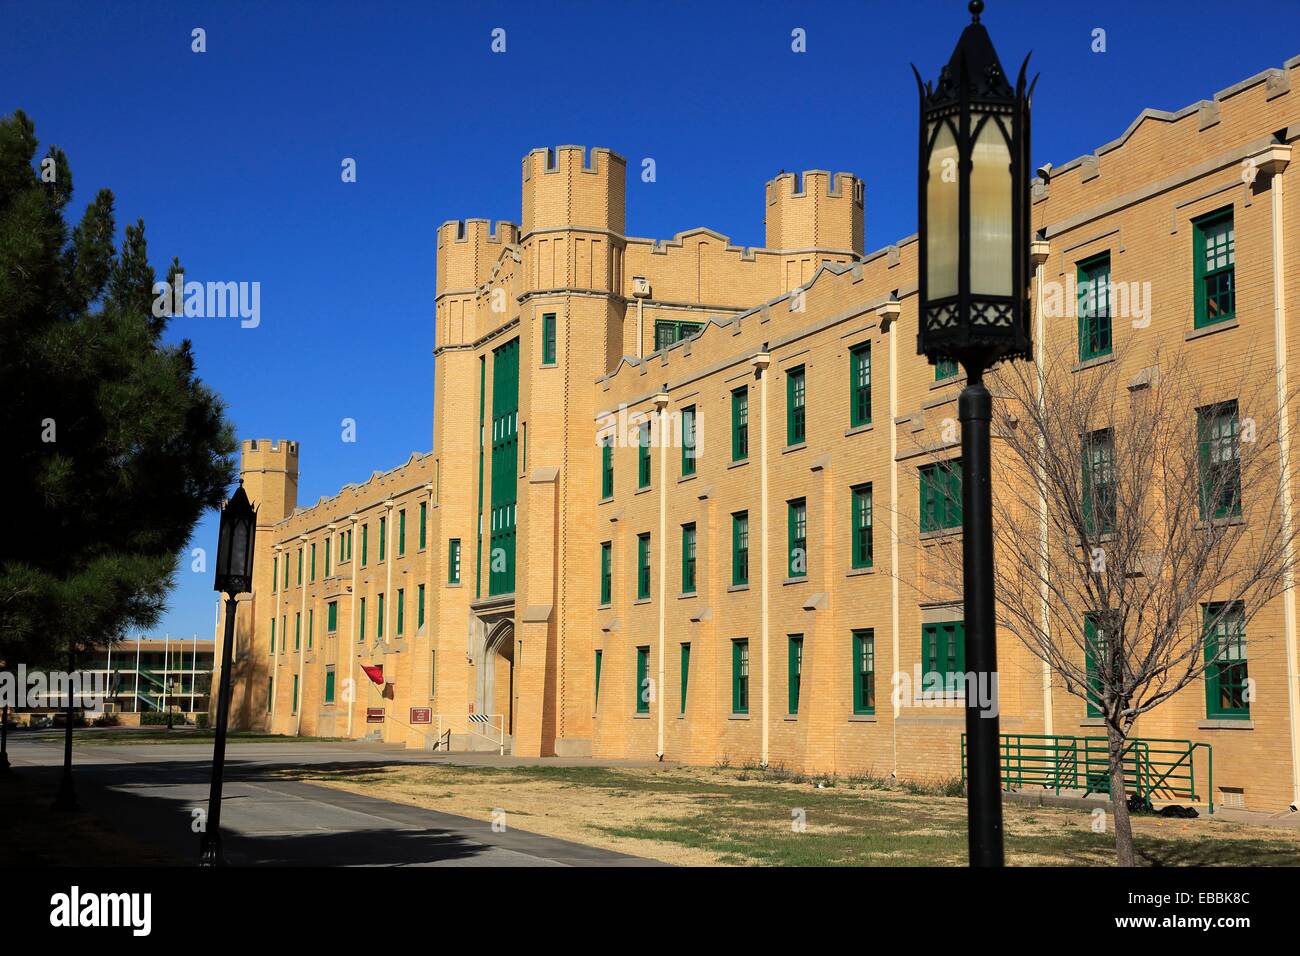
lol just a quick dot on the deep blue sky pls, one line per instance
(232, 157)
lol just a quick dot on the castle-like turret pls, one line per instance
(270, 472)
(467, 252)
(563, 187)
(815, 211)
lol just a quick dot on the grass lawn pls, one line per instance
(101, 736)
(739, 817)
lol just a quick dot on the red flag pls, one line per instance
(375, 672)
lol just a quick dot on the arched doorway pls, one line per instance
(497, 688)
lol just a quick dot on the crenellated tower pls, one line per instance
(467, 252)
(815, 217)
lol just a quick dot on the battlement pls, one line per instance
(467, 251)
(566, 186)
(269, 469)
(815, 210)
(268, 454)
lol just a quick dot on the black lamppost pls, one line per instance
(234, 577)
(973, 199)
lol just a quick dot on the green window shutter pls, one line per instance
(332, 617)
(642, 684)
(401, 532)
(275, 573)
(297, 630)
(311, 627)
(688, 558)
(740, 424)
(383, 537)
(797, 519)
(596, 696)
(740, 677)
(361, 621)
(606, 572)
(286, 570)
(607, 468)
(401, 610)
(1227, 685)
(643, 566)
(379, 619)
(424, 522)
(548, 338)
(688, 440)
(300, 567)
(326, 549)
(453, 561)
(740, 548)
(686, 672)
(329, 686)
(1094, 305)
(313, 562)
(643, 456)
(795, 401)
(270, 693)
(860, 385)
(794, 671)
(944, 651)
(864, 671)
(1214, 267)
(419, 610)
(295, 694)
(365, 543)
(272, 635)
(941, 496)
(862, 544)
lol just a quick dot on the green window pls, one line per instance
(740, 423)
(740, 548)
(863, 542)
(332, 616)
(343, 553)
(943, 650)
(642, 680)
(794, 671)
(286, 570)
(1216, 255)
(668, 333)
(379, 619)
(548, 338)
(796, 397)
(606, 572)
(365, 543)
(300, 567)
(740, 676)
(860, 385)
(401, 532)
(864, 671)
(643, 456)
(688, 440)
(1227, 693)
(686, 673)
(297, 631)
(383, 537)
(1094, 306)
(1099, 505)
(401, 610)
(311, 627)
(361, 627)
(596, 697)
(941, 496)
(643, 566)
(295, 694)
(419, 606)
(1095, 653)
(945, 369)
(327, 551)
(275, 573)
(329, 685)
(270, 693)
(273, 636)
(313, 562)
(453, 561)
(607, 468)
(797, 519)
(505, 468)
(688, 558)
(1220, 462)
(424, 522)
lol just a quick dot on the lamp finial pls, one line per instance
(976, 7)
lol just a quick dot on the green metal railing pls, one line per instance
(1153, 768)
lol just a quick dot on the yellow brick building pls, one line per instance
(539, 582)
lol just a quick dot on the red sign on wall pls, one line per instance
(374, 715)
(421, 715)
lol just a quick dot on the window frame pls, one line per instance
(864, 679)
(796, 405)
(1201, 226)
(1096, 330)
(860, 390)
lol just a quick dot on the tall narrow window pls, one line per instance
(401, 610)
(864, 671)
(941, 496)
(688, 440)
(329, 685)
(383, 537)
(643, 680)
(862, 541)
(1226, 679)
(1099, 505)
(419, 607)
(361, 621)
(332, 617)
(297, 630)
(401, 532)
(688, 558)
(643, 566)
(797, 518)
(740, 676)
(943, 648)
(796, 388)
(295, 695)
(1220, 462)
(686, 673)
(740, 423)
(1215, 242)
(424, 522)
(273, 636)
(379, 619)
(1095, 653)
(453, 561)
(328, 553)
(270, 693)
(643, 456)
(794, 671)
(596, 696)
(860, 385)
(286, 570)
(1094, 307)
(313, 562)
(275, 573)
(300, 567)
(607, 468)
(365, 543)
(606, 572)
(548, 338)
(311, 627)
(740, 548)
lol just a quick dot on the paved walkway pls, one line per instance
(151, 792)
